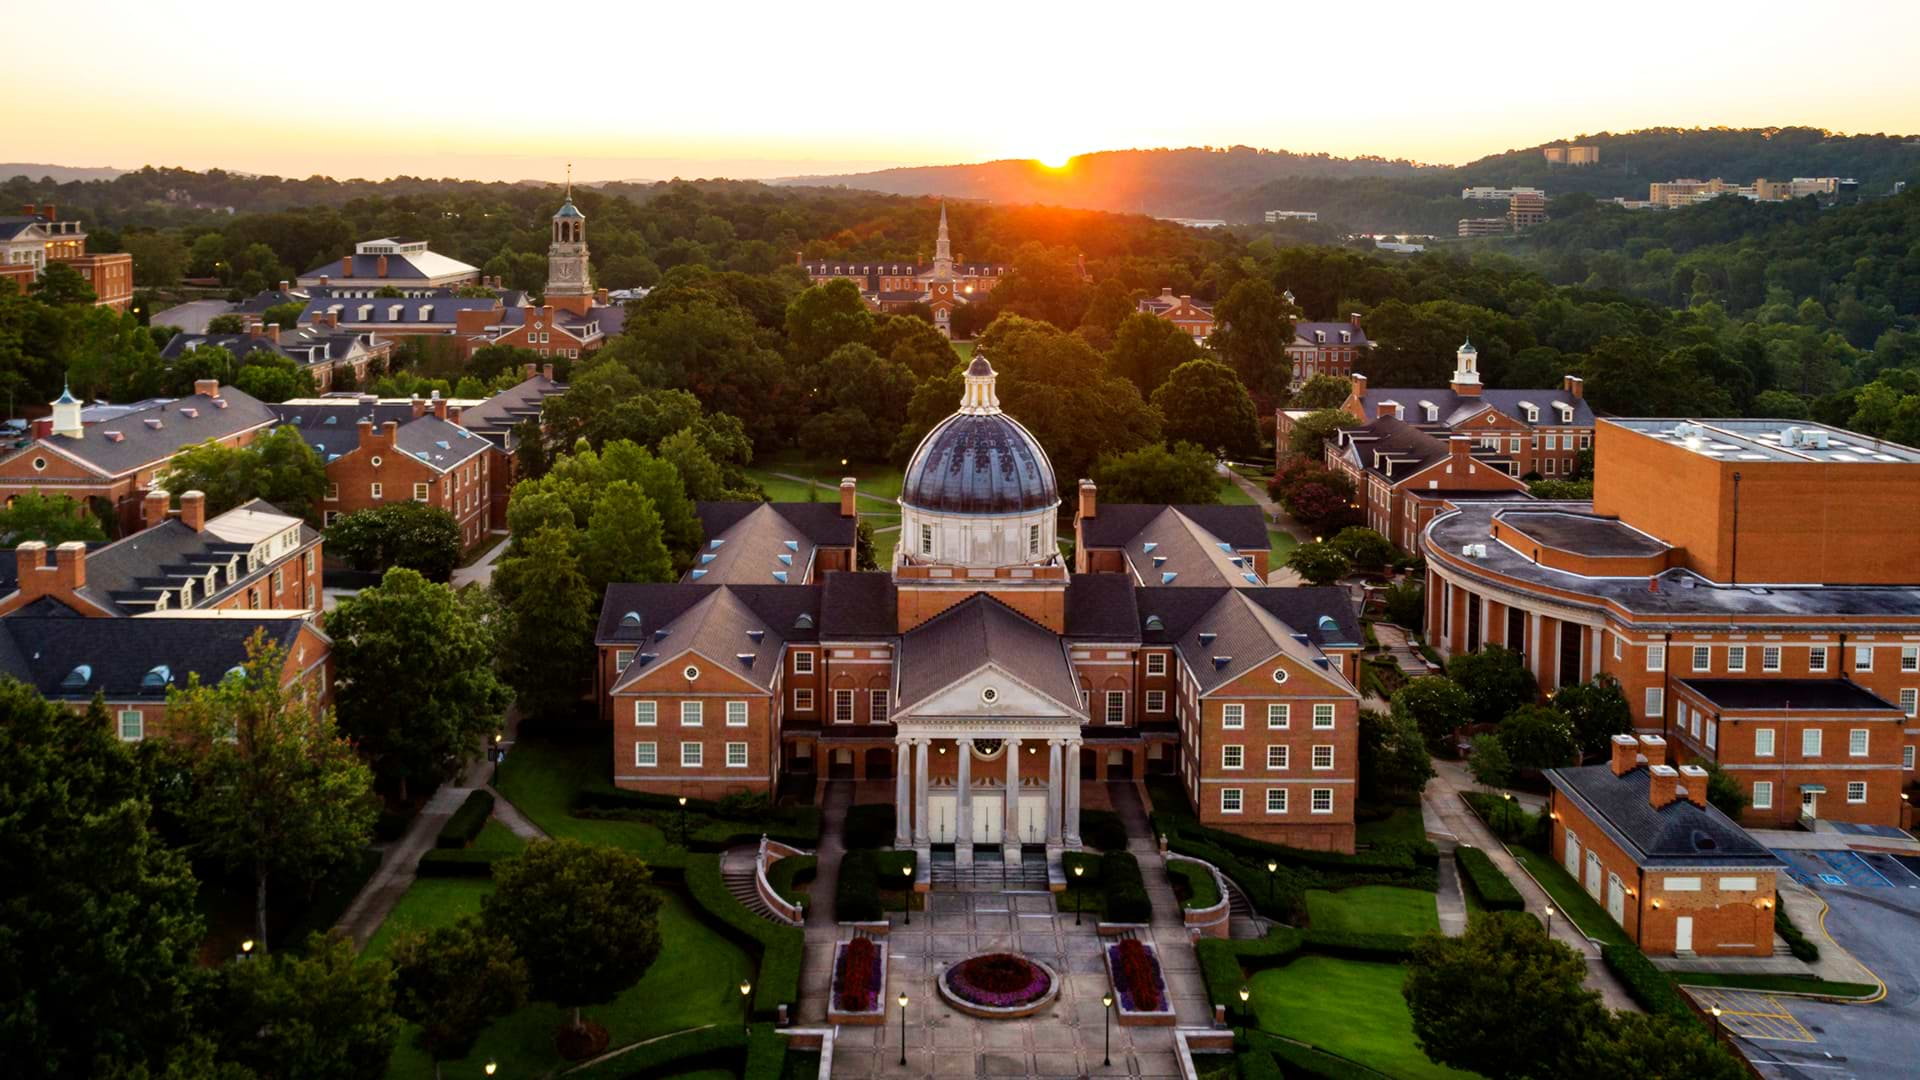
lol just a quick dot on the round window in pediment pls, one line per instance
(988, 748)
(691, 672)
(989, 695)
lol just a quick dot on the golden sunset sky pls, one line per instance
(490, 90)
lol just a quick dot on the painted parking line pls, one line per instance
(1895, 871)
(1795, 871)
(1753, 1016)
(1855, 869)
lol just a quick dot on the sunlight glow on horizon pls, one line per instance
(783, 90)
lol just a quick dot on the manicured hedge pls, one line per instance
(1225, 964)
(779, 981)
(1650, 986)
(887, 866)
(868, 825)
(1259, 1065)
(1202, 890)
(1493, 888)
(723, 1046)
(1301, 1060)
(729, 823)
(1797, 943)
(766, 1054)
(786, 872)
(1125, 891)
(1103, 829)
(856, 896)
(391, 825)
(465, 823)
(443, 862)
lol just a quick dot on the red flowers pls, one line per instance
(1138, 975)
(859, 976)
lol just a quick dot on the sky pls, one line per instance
(740, 88)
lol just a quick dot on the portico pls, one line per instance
(956, 784)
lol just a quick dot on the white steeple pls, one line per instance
(66, 413)
(942, 248)
(1466, 371)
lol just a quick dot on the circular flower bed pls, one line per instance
(999, 985)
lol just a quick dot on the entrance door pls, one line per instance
(1810, 804)
(987, 812)
(1593, 874)
(1683, 934)
(942, 818)
(1616, 899)
(1033, 819)
(1573, 854)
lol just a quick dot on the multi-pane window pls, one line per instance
(1323, 716)
(1736, 658)
(1322, 800)
(803, 700)
(1116, 706)
(133, 726)
(736, 755)
(1713, 734)
(1857, 791)
(1817, 658)
(803, 662)
(1156, 663)
(1863, 658)
(736, 714)
(1810, 743)
(1230, 800)
(374, 490)
(1702, 657)
(926, 539)
(1156, 701)
(1857, 742)
(1233, 717)
(1232, 756)
(1276, 757)
(1279, 716)
(1910, 701)
(1763, 742)
(646, 755)
(877, 703)
(1323, 757)
(1276, 800)
(1906, 757)
(621, 658)
(1770, 658)
(419, 493)
(692, 714)
(1656, 704)
(1910, 658)
(843, 706)
(1763, 794)
(1656, 658)
(646, 713)
(692, 754)
(1033, 539)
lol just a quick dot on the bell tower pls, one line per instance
(569, 286)
(1466, 372)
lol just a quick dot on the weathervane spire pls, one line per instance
(569, 181)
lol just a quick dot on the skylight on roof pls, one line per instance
(714, 544)
(631, 618)
(1220, 662)
(756, 636)
(804, 622)
(790, 545)
(780, 576)
(1155, 622)
(78, 677)
(698, 574)
(1251, 580)
(1147, 548)
(1206, 637)
(157, 676)
(1167, 577)
(785, 560)
(706, 558)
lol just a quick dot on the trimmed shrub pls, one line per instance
(1124, 890)
(1650, 987)
(465, 823)
(856, 896)
(859, 974)
(391, 825)
(1354, 945)
(887, 867)
(1201, 890)
(869, 825)
(456, 862)
(1103, 829)
(1797, 943)
(766, 1054)
(1494, 890)
(1259, 1065)
(722, 1046)
(788, 872)
(779, 945)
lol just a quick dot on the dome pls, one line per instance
(979, 460)
(568, 210)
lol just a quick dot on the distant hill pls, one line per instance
(59, 174)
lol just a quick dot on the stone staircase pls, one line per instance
(1242, 921)
(736, 872)
(990, 871)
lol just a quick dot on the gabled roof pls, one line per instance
(497, 416)
(1172, 548)
(305, 345)
(1677, 834)
(333, 430)
(1453, 409)
(1116, 524)
(156, 434)
(129, 658)
(766, 543)
(724, 630)
(978, 632)
(401, 266)
(128, 576)
(1235, 635)
(859, 606)
(631, 612)
(1102, 607)
(1303, 333)
(435, 310)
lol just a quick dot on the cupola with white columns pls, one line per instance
(1466, 371)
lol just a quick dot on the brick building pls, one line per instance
(1404, 476)
(980, 675)
(1325, 348)
(1195, 317)
(321, 349)
(943, 285)
(381, 452)
(1750, 584)
(37, 237)
(111, 465)
(498, 420)
(1677, 875)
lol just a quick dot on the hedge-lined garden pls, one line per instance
(1109, 887)
(873, 883)
(1489, 886)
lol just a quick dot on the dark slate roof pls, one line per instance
(127, 576)
(440, 443)
(121, 653)
(12, 225)
(1453, 409)
(1677, 834)
(1324, 613)
(1172, 548)
(1102, 607)
(333, 430)
(1303, 333)
(752, 543)
(859, 605)
(397, 311)
(1263, 623)
(181, 423)
(497, 416)
(974, 633)
(631, 613)
(1825, 695)
(979, 463)
(1236, 635)
(725, 630)
(306, 345)
(1115, 524)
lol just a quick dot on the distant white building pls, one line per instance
(1199, 222)
(398, 261)
(1497, 194)
(1274, 216)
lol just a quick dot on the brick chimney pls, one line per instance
(30, 209)
(1662, 785)
(273, 332)
(29, 558)
(193, 510)
(380, 267)
(1089, 499)
(47, 212)
(346, 265)
(1575, 385)
(1460, 450)
(153, 508)
(439, 405)
(600, 297)
(1693, 784)
(532, 370)
(1353, 319)
(256, 329)
(847, 488)
(453, 414)
(1626, 754)
(70, 566)
(547, 370)
(1359, 387)
(419, 407)
(284, 286)
(1655, 748)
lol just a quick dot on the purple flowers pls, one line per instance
(859, 978)
(1137, 978)
(998, 980)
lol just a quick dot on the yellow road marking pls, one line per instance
(1754, 1016)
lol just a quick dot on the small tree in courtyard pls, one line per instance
(1318, 563)
(453, 982)
(1502, 1000)
(1496, 679)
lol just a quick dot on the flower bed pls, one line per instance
(1139, 986)
(999, 985)
(859, 983)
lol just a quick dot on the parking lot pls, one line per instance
(1874, 912)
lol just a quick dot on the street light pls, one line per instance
(683, 821)
(1273, 867)
(907, 903)
(1549, 920)
(1716, 1022)
(1245, 993)
(746, 990)
(1106, 1002)
(903, 1029)
(1078, 869)
(246, 949)
(490, 1067)
(495, 755)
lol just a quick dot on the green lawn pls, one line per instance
(540, 778)
(1406, 825)
(1347, 1007)
(964, 348)
(1373, 909)
(880, 480)
(1280, 544)
(1232, 495)
(1569, 898)
(1789, 983)
(430, 902)
(884, 543)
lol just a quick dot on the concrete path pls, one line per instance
(822, 929)
(1450, 900)
(1447, 816)
(834, 488)
(481, 571)
(398, 864)
(1393, 642)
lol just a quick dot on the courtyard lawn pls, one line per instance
(540, 778)
(875, 479)
(1373, 909)
(884, 543)
(694, 981)
(1406, 825)
(1231, 494)
(429, 903)
(1570, 900)
(964, 348)
(1347, 1007)
(1280, 544)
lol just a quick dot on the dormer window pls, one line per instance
(1532, 411)
(1346, 337)
(156, 677)
(1319, 337)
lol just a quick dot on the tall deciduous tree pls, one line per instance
(585, 918)
(1496, 679)
(825, 317)
(1322, 392)
(1147, 349)
(1503, 1000)
(453, 981)
(1393, 755)
(623, 539)
(1252, 330)
(546, 640)
(98, 928)
(1156, 474)
(1438, 707)
(1537, 737)
(1203, 403)
(276, 788)
(51, 519)
(325, 1015)
(1318, 563)
(1598, 710)
(414, 682)
(278, 467)
(411, 535)
(1654, 1048)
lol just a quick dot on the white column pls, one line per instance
(902, 794)
(920, 837)
(1486, 621)
(1010, 814)
(1071, 826)
(1053, 791)
(1593, 669)
(1535, 656)
(963, 827)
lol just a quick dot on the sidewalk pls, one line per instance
(480, 572)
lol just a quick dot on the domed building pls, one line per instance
(979, 490)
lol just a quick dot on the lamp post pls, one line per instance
(246, 949)
(903, 1029)
(1245, 993)
(489, 1067)
(746, 991)
(1273, 867)
(1716, 1022)
(907, 902)
(1106, 1003)
(683, 821)
(1078, 870)
(494, 754)
(1549, 920)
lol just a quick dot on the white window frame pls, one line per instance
(646, 755)
(1713, 734)
(1322, 801)
(1323, 718)
(1271, 800)
(843, 697)
(879, 704)
(1816, 658)
(1736, 658)
(1910, 700)
(1703, 658)
(1906, 756)
(1655, 705)
(736, 750)
(1856, 792)
(803, 661)
(622, 658)
(1322, 757)
(1233, 756)
(696, 758)
(1763, 742)
(1657, 657)
(1770, 658)
(1763, 794)
(1231, 799)
(421, 492)
(1858, 742)
(1279, 756)
(1863, 658)
(139, 725)
(1233, 716)
(1156, 701)
(736, 714)
(1116, 701)
(1810, 742)
(803, 699)
(693, 714)
(646, 713)
(375, 491)
(1279, 711)
(1156, 664)
(1910, 658)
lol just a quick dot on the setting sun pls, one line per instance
(1056, 160)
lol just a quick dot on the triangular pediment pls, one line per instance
(968, 696)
